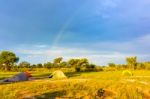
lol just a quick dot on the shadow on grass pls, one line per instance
(73, 74)
(51, 95)
(76, 74)
(41, 75)
(6, 83)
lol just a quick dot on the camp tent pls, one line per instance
(127, 73)
(58, 75)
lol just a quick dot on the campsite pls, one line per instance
(74, 49)
(73, 79)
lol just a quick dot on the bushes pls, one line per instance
(89, 68)
(99, 68)
(78, 69)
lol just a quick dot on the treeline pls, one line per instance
(9, 61)
(131, 63)
(78, 64)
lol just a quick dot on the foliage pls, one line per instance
(58, 60)
(131, 62)
(39, 65)
(24, 64)
(48, 65)
(111, 65)
(7, 59)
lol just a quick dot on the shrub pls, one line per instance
(97, 69)
(78, 69)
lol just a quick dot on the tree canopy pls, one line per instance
(7, 59)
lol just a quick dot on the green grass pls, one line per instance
(82, 85)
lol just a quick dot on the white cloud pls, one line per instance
(100, 58)
(138, 45)
(98, 53)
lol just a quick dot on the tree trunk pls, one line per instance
(7, 68)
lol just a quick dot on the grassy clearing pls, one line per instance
(80, 85)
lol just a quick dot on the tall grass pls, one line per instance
(81, 85)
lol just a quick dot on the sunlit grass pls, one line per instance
(80, 85)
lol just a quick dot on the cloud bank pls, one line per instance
(100, 53)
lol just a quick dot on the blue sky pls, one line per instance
(102, 30)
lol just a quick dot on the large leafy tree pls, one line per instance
(83, 62)
(131, 62)
(57, 61)
(7, 59)
(73, 62)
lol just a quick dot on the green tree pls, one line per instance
(72, 62)
(33, 66)
(24, 64)
(78, 64)
(7, 59)
(57, 61)
(131, 62)
(39, 65)
(90, 67)
(63, 64)
(48, 65)
(83, 62)
(111, 65)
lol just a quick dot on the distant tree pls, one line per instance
(147, 65)
(58, 60)
(63, 64)
(90, 67)
(48, 65)
(83, 62)
(33, 66)
(111, 65)
(39, 65)
(141, 66)
(131, 62)
(7, 59)
(24, 64)
(78, 63)
(72, 62)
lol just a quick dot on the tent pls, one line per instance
(127, 73)
(58, 75)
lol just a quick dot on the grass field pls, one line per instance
(79, 86)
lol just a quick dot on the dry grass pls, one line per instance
(82, 85)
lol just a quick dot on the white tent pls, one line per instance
(58, 75)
